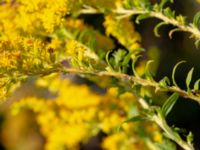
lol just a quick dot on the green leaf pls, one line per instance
(132, 119)
(125, 63)
(129, 4)
(135, 119)
(196, 85)
(126, 59)
(172, 32)
(109, 68)
(190, 138)
(196, 20)
(156, 28)
(174, 71)
(133, 65)
(141, 17)
(181, 19)
(148, 73)
(197, 42)
(188, 79)
(119, 56)
(164, 82)
(163, 2)
(168, 105)
(169, 13)
(145, 4)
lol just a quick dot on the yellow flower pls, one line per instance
(127, 35)
(76, 109)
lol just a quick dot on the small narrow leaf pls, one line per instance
(172, 32)
(156, 28)
(169, 13)
(133, 65)
(196, 85)
(188, 79)
(190, 138)
(141, 17)
(174, 71)
(164, 82)
(168, 105)
(197, 42)
(110, 68)
(196, 20)
(135, 119)
(148, 73)
(162, 3)
(132, 119)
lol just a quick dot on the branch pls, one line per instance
(161, 122)
(121, 76)
(151, 13)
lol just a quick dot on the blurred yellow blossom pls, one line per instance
(126, 36)
(76, 114)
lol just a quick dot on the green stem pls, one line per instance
(136, 80)
(156, 14)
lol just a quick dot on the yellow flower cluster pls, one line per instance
(127, 35)
(30, 16)
(76, 114)
(102, 42)
(24, 53)
(73, 48)
(21, 55)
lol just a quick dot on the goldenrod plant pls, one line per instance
(50, 40)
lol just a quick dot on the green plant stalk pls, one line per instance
(135, 80)
(121, 76)
(161, 122)
(155, 14)
(157, 118)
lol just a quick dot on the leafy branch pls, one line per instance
(158, 117)
(136, 80)
(146, 10)
(156, 114)
(139, 81)
(152, 113)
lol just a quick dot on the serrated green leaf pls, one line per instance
(119, 56)
(196, 20)
(188, 79)
(141, 17)
(174, 71)
(196, 85)
(169, 103)
(148, 73)
(156, 28)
